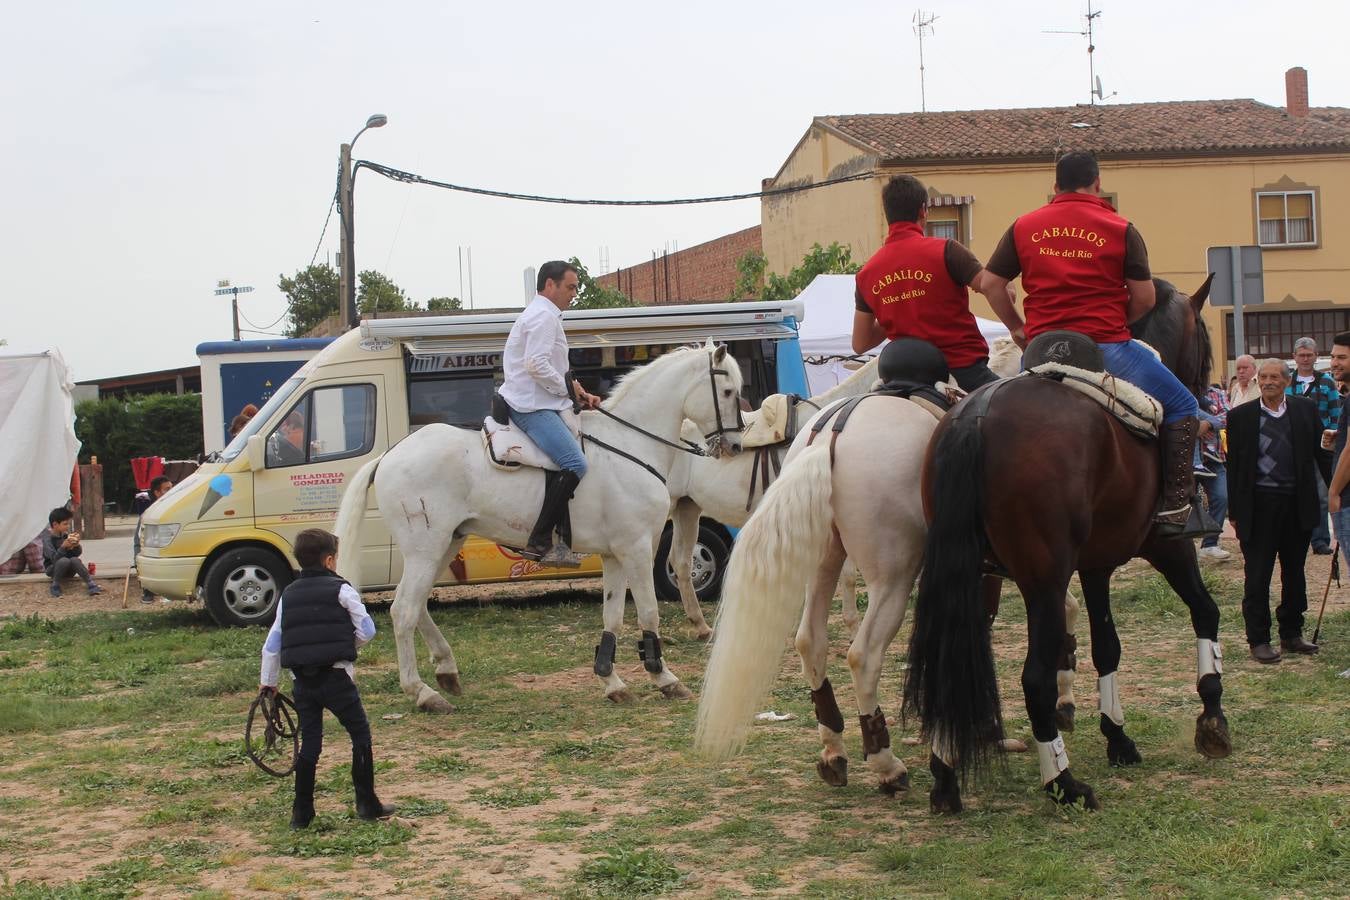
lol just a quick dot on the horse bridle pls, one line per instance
(689, 446)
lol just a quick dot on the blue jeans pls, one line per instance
(546, 428)
(1216, 489)
(1139, 366)
(1340, 523)
(1321, 534)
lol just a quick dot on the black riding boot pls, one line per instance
(302, 810)
(540, 547)
(1180, 516)
(368, 806)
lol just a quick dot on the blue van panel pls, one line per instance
(250, 382)
(791, 369)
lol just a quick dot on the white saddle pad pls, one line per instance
(509, 448)
(1136, 408)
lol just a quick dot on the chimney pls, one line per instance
(1296, 92)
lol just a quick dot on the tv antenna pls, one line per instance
(1095, 92)
(923, 23)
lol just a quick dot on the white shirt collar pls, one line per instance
(538, 298)
(1274, 413)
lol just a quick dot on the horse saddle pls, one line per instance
(925, 396)
(1075, 361)
(508, 448)
(775, 422)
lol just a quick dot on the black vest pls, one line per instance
(316, 630)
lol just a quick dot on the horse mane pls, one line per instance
(625, 384)
(1163, 328)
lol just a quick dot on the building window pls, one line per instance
(1272, 334)
(944, 228)
(1286, 218)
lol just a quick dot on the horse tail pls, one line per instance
(351, 511)
(951, 687)
(772, 564)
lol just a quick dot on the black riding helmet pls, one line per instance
(912, 360)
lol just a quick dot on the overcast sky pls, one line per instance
(151, 148)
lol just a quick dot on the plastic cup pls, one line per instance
(93, 567)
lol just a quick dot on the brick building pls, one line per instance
(704, 271)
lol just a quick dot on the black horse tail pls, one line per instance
(951, 687)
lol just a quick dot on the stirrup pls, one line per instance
(561, 556)
(1191, 521)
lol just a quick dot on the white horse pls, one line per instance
(437, 487)
(720, 487)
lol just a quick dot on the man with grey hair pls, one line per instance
(1275, 456)
(1321, 389)
(1244, 388)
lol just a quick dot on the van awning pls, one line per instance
(577, 339)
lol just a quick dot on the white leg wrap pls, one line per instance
(1054, 758)
(1109, 698)
(1208, 658)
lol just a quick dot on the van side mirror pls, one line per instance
(254, 451)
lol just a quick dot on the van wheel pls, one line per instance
(243, 586)
(710, 565)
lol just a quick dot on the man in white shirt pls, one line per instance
(1245, 388)
(536, 389)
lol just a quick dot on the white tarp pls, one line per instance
(826, 333)
(38, 447)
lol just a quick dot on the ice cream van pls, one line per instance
(224, 535)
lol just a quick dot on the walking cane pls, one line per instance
(1334, 573)
(126, 586)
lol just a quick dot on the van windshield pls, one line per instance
(278, 399)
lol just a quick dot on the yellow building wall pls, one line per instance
(1181, 207)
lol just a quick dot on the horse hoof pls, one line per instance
(1068, 791)
(1013, 745)
(1211, 737)
(436, 704)
(942, 803)
(833, 771)
(1064, 717)
(703, 634)
(677, 691)
(449, 682)
(623, 696)
(1123, 753)
(897, 785)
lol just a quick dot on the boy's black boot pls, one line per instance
(302, 810)
(368, 806)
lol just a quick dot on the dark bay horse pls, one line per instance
(1048, 483)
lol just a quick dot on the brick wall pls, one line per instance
(705, 271)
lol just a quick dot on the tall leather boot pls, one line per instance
(1180, 516)
(541, 547)
(368, 806)
(302, 810)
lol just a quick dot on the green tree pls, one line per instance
(377, 293)
(835, 259)
(593, 295)
(444, 303)
(119, 429)
(311, 297)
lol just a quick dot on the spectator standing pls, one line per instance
(1338, 493)
(159, 486)
(1213, 420)
(61, 553)
(1274, 454)
(1244, 388)
(1321, 389)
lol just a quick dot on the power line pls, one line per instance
(410, 178)
(268, 325)
(326, 218)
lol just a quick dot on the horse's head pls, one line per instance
(1175, 328)
(713, 402)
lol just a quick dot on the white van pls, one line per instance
(224, 535)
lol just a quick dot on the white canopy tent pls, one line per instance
(826, 333)
(38, 446)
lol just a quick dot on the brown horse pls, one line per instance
(1047, 483)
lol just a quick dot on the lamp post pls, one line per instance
(347, 271)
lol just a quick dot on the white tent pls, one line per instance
(826, 333)
(38, 446)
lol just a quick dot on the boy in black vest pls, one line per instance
(320, 622)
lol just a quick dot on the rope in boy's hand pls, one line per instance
(271, 737)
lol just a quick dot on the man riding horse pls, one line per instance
(536, 391)
(1085, 269)
(915, 286)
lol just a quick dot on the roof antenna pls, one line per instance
(1095, 93)
(923, 22)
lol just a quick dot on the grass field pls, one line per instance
(123, 774)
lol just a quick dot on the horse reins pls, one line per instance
(277, 713)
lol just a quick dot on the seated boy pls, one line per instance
(61, 553)
(320, 623)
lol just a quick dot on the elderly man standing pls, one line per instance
(1245, 388)
(1321, 389)
(1274, 459)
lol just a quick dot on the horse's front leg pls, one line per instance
(1176, 561)
(442, 657)
(637, 563)
(1120, 749)
(683, 535)
(616, 591)
(848, 597)
(1065, 704)
(406, 612)
(813, 645)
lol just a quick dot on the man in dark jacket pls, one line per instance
(1274, 460)
(61, 553)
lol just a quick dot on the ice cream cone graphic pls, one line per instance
(220, 486)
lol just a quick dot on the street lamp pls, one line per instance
(347, 272)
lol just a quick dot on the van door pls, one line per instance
(330, 431)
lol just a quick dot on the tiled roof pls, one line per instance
(1198, 127)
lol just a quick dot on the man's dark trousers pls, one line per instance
(1274, 532)
(331, 689)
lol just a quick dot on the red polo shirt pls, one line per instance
(916, 287)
